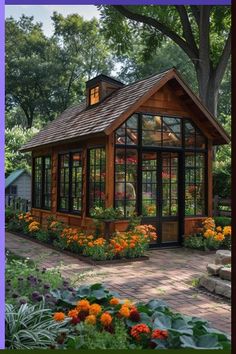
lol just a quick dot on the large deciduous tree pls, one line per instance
(45, 75)
(202, 32)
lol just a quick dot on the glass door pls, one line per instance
(169, 221)
(160, 194)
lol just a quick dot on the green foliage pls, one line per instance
(89, 338)
(222, 221)
(14, 139)
(182, 331)
(10, 214)
(133, 222)
(46, 75)
(94, 293)
(30, 327)
(106, 213)
(194, 241)
(25, 282)
(222, 165)
(145, 29)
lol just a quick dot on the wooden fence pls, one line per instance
(222, 207)
(17, 203)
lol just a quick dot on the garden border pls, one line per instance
(82, 258)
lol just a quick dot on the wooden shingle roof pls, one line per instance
(79, 120)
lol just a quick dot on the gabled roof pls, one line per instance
(80, 121)
(13, 177)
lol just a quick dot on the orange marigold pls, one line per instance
(73, 313)
(124, 311)
(95, 309)
(106, 319)
(114, 301)
(83, 305)
(59, 316)
(139, 329)
(90, 319)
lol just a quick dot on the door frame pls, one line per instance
(158, 219)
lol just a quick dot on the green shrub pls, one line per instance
(222, 221)
(30, 327)
(10, 214)
(194, 241)
(43, 235)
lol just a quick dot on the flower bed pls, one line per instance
(51, 313)
(210, 237)
(126, 245)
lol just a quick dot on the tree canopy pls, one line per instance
(202, 32)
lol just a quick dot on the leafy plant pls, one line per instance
(30, 327)
(26, 283)
(222, 221)
(194, 241)
(106, 213)
(89, 338)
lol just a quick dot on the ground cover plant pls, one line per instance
(60, 316)
(130, 244)
(210, 236)
(26, 283)
(99, 318)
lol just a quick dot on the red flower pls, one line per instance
(75, 320)
(159, 334)
(134, 316)
(138, 330)
(82, 315)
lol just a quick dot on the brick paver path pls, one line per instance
(169, 275)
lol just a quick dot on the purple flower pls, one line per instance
(46, 286)
(35, 294)
(23, 301)
(70, 288)
(20, 279)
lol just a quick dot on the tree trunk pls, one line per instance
(208, 90)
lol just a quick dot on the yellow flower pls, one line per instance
(106, 319)
(114, 301)
(219, 229)
(227, 230)
(95, 309)
(83, 305)
(73, 313)
(124, 311)
(90, 319)
(59, 316)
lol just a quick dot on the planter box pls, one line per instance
(82, 258)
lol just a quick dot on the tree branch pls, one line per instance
(159, 26)
(223, 61)
(196, 14)
(187, 29)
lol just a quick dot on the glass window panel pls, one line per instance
(97, 163)
(126, 180)
(172, 132)
(194, 183)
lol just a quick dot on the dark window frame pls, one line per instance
(42, 204)
(180, 149)
(88, 206)
(70, 209)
